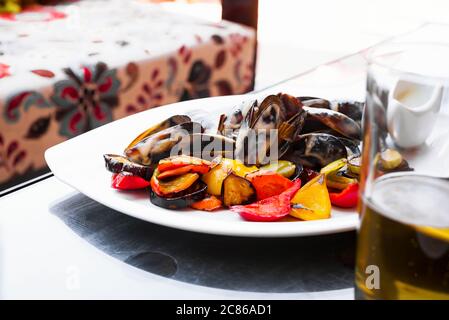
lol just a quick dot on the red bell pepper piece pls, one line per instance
(128, 181)
(269, 209)
(201, 169)
(347, 198)
(176, 162)
(269, 184)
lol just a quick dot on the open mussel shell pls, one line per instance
(291, 104)
(255, 136)
(182, 199)
(314, 102)
(352, 109)
(336, 121)
(269, 115)
(230, 124)
(316, 150)
(207, 146)
(160, 145)
(352, 147)
(116, 164)
(167, 123)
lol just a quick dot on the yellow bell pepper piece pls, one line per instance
(10, 6)
(215, 177)
(239, 167)
(312, 202)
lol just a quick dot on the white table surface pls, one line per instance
(42, 258)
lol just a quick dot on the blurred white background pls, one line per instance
(297, 35)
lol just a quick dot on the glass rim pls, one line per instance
(373, 55)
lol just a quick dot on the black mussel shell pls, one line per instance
(316, 150)
(207, 146)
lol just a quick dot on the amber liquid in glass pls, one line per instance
(403, 245)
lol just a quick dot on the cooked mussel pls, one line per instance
(353, 109)
(268, 130)
(159, 145)
(335, 120)
(316, 150)
(315, 102)
(167, 123)
(350, 108)
(229, 125)
(116, 164)
(253, 140)
(207, 146)
(352, 147)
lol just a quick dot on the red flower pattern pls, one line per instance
(151, 94)
(4, 70)
(237, 42)
(185, 53)
(11, 154)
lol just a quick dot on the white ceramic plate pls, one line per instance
(79, 163)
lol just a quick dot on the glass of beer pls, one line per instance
(403, 237)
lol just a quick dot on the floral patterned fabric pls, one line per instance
(67, 69)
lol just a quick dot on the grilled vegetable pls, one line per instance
(180, 165)
(181, 161)
(335, 174)
(283, 167)
(237, 190)
(117, 164)
(128, 181)
(390, 159)
(339, 181)
(347, 198)
(312, 202)
(334, 166)
(181, 199)
(354, 165)
(269, 209)
(268, 184)
(207, 204)
(166, 188)
(215, 177)
(239, 168)
(182, 170)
